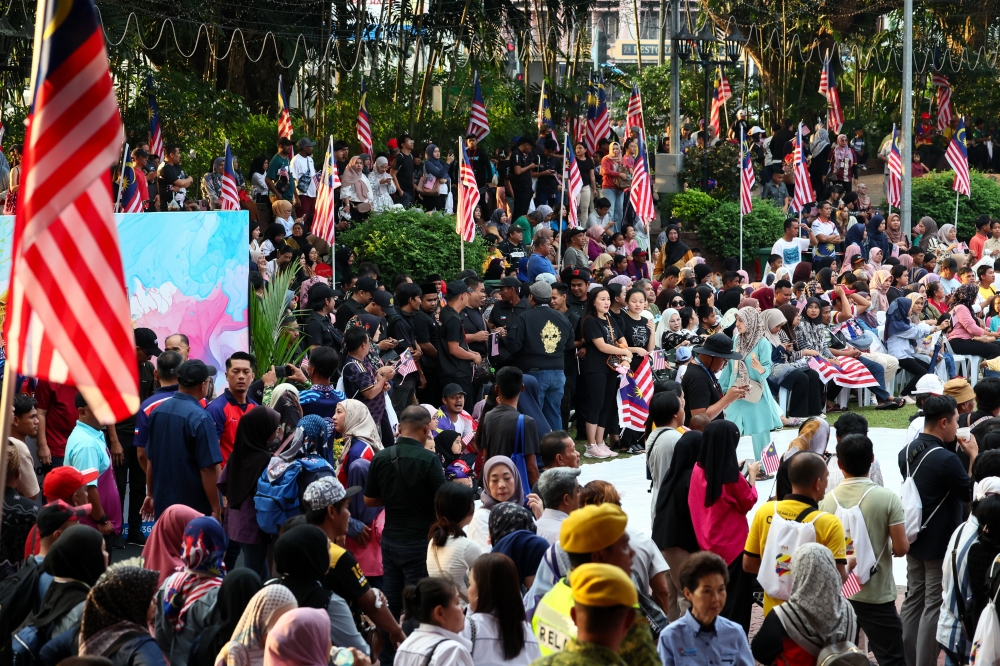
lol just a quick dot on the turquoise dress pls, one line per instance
(754, 419)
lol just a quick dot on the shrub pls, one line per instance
(692, 206)
(719, 230)
(413, 242)
(723, 170)
(933, 197)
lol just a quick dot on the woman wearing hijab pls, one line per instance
(819, 166)
(114, 623)
(284, 215)
(369, 555)
(842, 163)
(500, 220)
(814, 435)
(816, 614)
(880, 283)
(299, 638)
(948, 241)
(670, 333)
(246, 644)
(803, 273)
(877, 237)
(526, 549)
(354, 189)
(274, 235)
(764, 297)
(162, 552)
(185, 601)
(361, 436)
(968, 336)
(894, 232)
(257, 436)
(595, 242)
(901, 336)
(381, 186)
(857, 234)
(756, 414)
(302, 558)
(211, 184)
(928, 230)
(719, 500)
(672, 529)
(235, 593)
(501, 483)
(675, 252)
(435, 184)
(789, 370)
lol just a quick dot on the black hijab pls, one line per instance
(251, 453)
(688, 294)
(238, 587)
(717, 457)
(819, 318)
(673, 251)
(273, 230)
(825, 278)
(443, 443)
(76, 555)
(686, 452)
(302, 557)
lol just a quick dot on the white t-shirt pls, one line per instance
(790, 251)
(303, 168)
(453, 561)
(949, 285)
(647, 561)
(487, 648)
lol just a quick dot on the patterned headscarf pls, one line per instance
(745, 342)
(965, 295)
(204, 549)
(116, 604)
(261, 614)
(507, 517)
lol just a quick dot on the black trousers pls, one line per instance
(988, 350)
(739, 595)
(431, 392)
(884, 629)
(805, 390)
(522, 199)
(130, 473)
(917, 369)
(600, 398)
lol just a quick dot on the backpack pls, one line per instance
(783, 538)
(280, 489)
(986, 641)
(913, 506)
(856, 534)
(844, 653)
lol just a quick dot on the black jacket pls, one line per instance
(537, 340)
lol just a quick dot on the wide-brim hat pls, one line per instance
(720, 345)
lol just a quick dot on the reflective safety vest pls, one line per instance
(552, 624)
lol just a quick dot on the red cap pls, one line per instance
(925, 116)
(393, 144)
(62, 482)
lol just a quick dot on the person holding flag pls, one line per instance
(134, 192)
(230, 199)
(325, 212)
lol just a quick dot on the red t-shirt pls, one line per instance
(976, 244)
(59, 402)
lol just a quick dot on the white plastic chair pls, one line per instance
(880, 316)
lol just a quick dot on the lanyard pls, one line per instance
(711, 376)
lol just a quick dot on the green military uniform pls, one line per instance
(581, 654)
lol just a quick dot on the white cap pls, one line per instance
(929, 385)
(983, 489)
(756, 129)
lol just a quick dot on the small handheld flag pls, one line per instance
(851, 586)
(406, 363)
(770, 460)
(958, 157)
(659, 361)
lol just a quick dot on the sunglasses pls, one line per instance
(677, 302)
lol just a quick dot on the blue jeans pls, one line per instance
(404, 564)
(878, 372)
(617, 200)
(551, 384)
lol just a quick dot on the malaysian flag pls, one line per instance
(849, 372)
(643, 376)
(468, 199)
(230, 193)
(578, 123)
(720, 95)
(633, 410)
(895, 182)
(851, 586)
(958, 157)
(155, 131)
(659, 361)
(770, 460)
(284, 117)
(364, 121)
(747, 179)
(130, 198)
(633, 117)
(479, 122)
(800, 173)
(641, 193)
(602, 120)
(940, 81)
(68, 314)
(590, 135)
(325, 213)
(828, 88)
(544, 112)
(406, 363)
(575, 185)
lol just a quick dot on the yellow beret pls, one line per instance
(592, 528)
(602, 585)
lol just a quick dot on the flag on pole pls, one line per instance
(406, 363)
(720, 95)
(591, 138)
(131, 201)
(770, 460)
(465, 221)
(940, 81)
(643, 376)
(67, 317)
(800, 174)
(633, 410)
(284, 117)
(230, 191)
(578, 123)
(602, 119)
(895, 183)
(325, 214)
(747, 178)
(155, 132)
(575, 185)
(544, 112)
(958, 157)
(633, 117)
(828, 88)
(364, 121)
(641, 192)
(479, 122)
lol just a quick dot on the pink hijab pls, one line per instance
(300, 638)
(852, 251)
(162, 551)
(879, 286)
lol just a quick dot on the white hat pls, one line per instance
(988, 486)
(756, 129)
(929, 385)
(546, 277)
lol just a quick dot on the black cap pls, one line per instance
(319, 292)
(525, 139)
(428, 288)
(572, 233)
(720, 345)
(452, 389)
(55, 514)
(193, 372)
(510, 281)
(383, 299)
(571, 274)
(456, 288)
(145, 339)
(305, 142)
(366, 283)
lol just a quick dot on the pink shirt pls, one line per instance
(721, 528)
(964, 326)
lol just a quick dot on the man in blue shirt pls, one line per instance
(167, 364)
(539, 262)
(321, 399)
(182, 450)
(87, 449)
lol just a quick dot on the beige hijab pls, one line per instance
(358, 424)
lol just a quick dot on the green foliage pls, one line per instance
(665, 204)
(413, 242)
(270, 341)
(933, 197)
(692, 206)
(719, 229)
(723, 170)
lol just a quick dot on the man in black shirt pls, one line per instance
(547, 186)
(426, 332)
(319, 331)
(402, 170)
(401, 328)
(524, 164)
(498, 428)
(453, 351)
(513, 248)
(571, 397)
(481, 167)
(364, 292)
(578, 280)
(511, 305)
(702, 393)
(732, 293)
(472, 319)
(171, 179)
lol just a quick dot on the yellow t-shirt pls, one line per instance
(829, 532)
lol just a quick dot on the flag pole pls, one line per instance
(562, 197)
(957, 195)
(458, 208)
(742, 185)
(336, 214)
(121, 177)
(725, 104)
